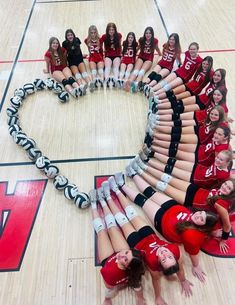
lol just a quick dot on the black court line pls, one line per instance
(17, 56)
(162, 19)
(70, 161)
(61, 1)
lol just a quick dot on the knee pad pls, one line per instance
(158, 77)
(152, 75)
(167, 87)
(94, 72)
(176, 129)
(141, 72)
(149, 192)
(173, 150)
(168, 170)
(178, 123)
(84, 74)
(121, 219)
(175, 137)
(170, 93)
(171, 161)
(135, 72)
(71, 80)
(175, 116)
(78, 75)
(163, 83)
(174, 103)
(130, 212)
(65, 82)
(180, 107)
(98, 225)
(101, 71)
(140, 200)
(161, 185)
(110, 221)
(172, 98)
(166, 178)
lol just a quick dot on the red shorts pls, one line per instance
(96, 57)
(127, 60)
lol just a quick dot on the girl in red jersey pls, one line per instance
(112, 48)
(201, 175)
(175, 222)
(201, 78)
(147, 44)
(75, 60)
(183, 74)
(158, 255)
(219, 201)
(129, 51)
(96, 60)
(121, 266)
(56, 65)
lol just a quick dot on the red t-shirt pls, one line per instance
(208, 177)
(168, 58)
(147, 53)
(201, 115)
(206, 152)
(95, 50)
(197, 84)
(205, 97)
(111, 273)
(205, 133)
(189, 67)
(110, 50)
(149, 246)
(192, 239)
(57, 65)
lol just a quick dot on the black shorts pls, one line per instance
(189, 90)
(134, 238)
(75, 60)
(158, 217)
(112, 57)
(199, 103)
(164, 67)
(190, 194)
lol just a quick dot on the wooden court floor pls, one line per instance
(94, 136)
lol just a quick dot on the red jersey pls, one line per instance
(197, 84)
(111, 273)
(57, 64)
(207, 152)
(200, 200)
(201, 115)
(168, 58)
(129, 56)
(149, 245)
(189, 67)
(192, 239)
(111, 51)
(147, 53)
(208, 177)
(205, 97)
(95, 50)
(205, 133)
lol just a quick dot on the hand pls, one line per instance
(107, 301)
(160, 301)
(197, 272)
(141, 301)
(45, 71)
(223, 246)
(186, 288)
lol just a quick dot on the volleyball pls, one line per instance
(71, 191)
(39, 84)
(34, 153)
(42, 162)
(57, 88)
(16, 101)
(12, 120)
(28, 144)
(60, 182)
(51, 171)
(11, 111)
(82, 200)
(49, 83)
(29, 88)
(20, 92)
(13, 129)
(63, 96)
(20, 137)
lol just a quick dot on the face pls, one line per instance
(172, 41)
(166, 257)
(70, 36)
(217, 77)
(193, 50)
(148, 35)
(93, 34)
(130, 39)
(205, 66)
(199, 218)
(124, 257)
(214, 115)
(55, 44)
(111, 31)
(227, 187)
(217, 96)
(221, 160)
(219, 136)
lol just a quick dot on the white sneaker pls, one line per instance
(92, 86)
(112, 184)
(130, 172)
(119, 178)
(75, 92)
(93, 195)
(100, 194)
(136, 167)
(143, 156)
(106, 189)
(140, 163)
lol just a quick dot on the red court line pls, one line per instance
(40, 60)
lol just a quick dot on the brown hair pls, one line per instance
(142, 40)
(135, 269)
(59, 51)
(116, 40)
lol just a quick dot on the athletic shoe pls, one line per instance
(112, 184)
(140, 163)
(106, 189)
(143, 156)
(130, 172)
(133, 87)
(93, 195)
(75, 92)
(141, 86)
(146, 89)
(119, 178)
(136, 167)
(114, 82)
(96, 83)
(100, 194)
(146, 150)
(92, 86)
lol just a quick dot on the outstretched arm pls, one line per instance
(157, 288)
(139, 296)
(185, 284)
(226, 226)
(196, 269)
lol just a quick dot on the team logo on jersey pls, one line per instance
(18, 212)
